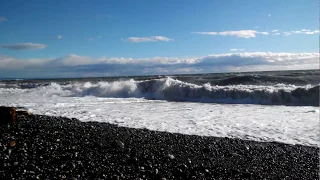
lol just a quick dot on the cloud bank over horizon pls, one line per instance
(83, 66)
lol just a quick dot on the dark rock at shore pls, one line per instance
(7, 115)
(61, 148)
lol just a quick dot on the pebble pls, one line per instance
(12, 143)
(171, 156)
(117, 144)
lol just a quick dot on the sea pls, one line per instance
(273, 106)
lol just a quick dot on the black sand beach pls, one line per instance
(43, 147)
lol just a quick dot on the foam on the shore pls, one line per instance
(288, 124)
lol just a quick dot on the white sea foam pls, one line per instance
(88, 102)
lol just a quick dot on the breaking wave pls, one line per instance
(174, 90)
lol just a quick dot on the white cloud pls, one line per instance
(239, 34)
(72, 60)
(264, 33)
(3, 19)
(147, 39)
(24, 46)
(235, 49)
(305, 31)
(59, 37)
(11, 63)
(74, 64)
(253, 33)
(287, 33)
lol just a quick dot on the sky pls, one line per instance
(77, 38)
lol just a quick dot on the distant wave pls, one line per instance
(175, 90)
(265, 79)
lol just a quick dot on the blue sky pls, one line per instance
(52, 35)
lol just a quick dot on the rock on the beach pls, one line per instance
(117, 144)
(24, 113)
(7, 115)
(171, 156)
(12, 143)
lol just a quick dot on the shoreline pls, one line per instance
(48, 147)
